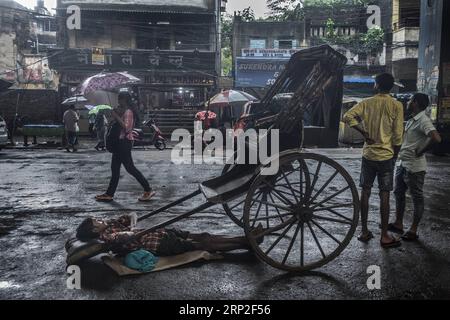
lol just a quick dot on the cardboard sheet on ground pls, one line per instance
(164, 263)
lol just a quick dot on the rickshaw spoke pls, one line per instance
(289, 184)
(278, 211)
(285, 186)
(336, 213)
(302, 249)
(267, 216)
(276, 228)
(285, 200)
(324, 186)
(325, 231)
(330, 197)
(316, 176)
(291, 244)
(257, 212)
(274, 205)
(231, 208)
(301, 184)
(256, 194)
(315, 239)
(279, 238)
(271, 217)
(281, 197)
(331, 219)
(284, 192)
(287, 175)
(342, 205)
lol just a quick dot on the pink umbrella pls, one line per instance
(228, 97)
(106, 82)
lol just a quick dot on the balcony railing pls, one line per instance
(411, 22)
(405, 35)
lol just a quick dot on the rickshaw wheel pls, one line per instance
(234, 208)
(309, 215)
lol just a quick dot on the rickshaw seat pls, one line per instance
(229, 185)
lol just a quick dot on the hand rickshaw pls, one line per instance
(309, 209)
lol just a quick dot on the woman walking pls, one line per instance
(124, 115)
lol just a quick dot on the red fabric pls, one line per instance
(207, 121)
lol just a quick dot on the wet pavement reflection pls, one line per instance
(45, 194)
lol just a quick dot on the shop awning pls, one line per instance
(358, 79)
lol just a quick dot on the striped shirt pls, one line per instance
(119, 233)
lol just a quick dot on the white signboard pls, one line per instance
(269, 53)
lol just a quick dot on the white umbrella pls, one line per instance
(76, 100)
(103, 97)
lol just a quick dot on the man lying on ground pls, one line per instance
(163, 242)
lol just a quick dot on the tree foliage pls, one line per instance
(373, 39)
(292, 10)
(370, 42)
(226, 27)
(226, 62)
(285, 10)
(247, 14)
(331, 3)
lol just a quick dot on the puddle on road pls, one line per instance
(8, 285)
(7, 224)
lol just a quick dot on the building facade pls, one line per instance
(405, 42)
(23, 55)
(171, 45)
(433, 77)
(261, 48)
(15, 34)
(45, 27)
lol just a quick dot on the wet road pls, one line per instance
(45, 194)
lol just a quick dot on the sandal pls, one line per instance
(365, 237)
(147, 196)
(410, 236)
(104, 197)
(394, 243)
(393, 228)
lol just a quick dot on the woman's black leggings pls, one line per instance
(123, 156)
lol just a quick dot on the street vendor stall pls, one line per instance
(42, 130)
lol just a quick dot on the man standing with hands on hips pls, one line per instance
(419, 136)
(380, 120)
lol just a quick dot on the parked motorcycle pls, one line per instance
(155, 139)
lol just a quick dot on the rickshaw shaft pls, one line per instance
(170, 205)
(176, 219)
